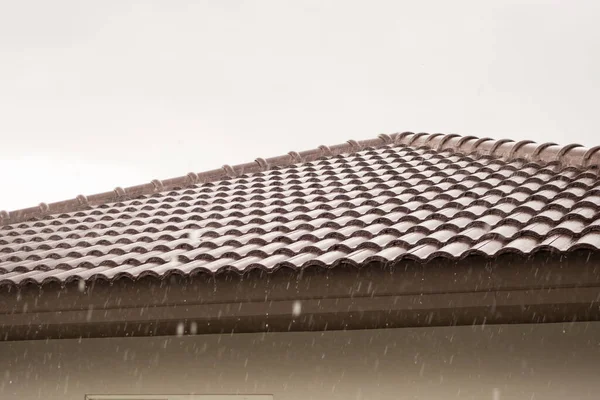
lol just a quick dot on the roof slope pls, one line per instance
(400, 196)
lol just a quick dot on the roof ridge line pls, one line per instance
(574, 155)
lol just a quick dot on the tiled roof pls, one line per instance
(399, 196)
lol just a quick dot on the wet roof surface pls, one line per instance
(386, 203)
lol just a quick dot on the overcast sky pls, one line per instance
(99, 94)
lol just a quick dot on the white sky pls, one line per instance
(99, 94)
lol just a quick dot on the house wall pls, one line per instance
(550, 361)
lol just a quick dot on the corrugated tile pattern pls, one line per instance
(380, 204)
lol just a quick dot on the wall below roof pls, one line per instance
(548, 361)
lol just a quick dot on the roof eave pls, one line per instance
(510, 289)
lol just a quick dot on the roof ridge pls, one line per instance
(571, 155)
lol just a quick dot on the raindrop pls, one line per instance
(193, 328)
(88, 317)
(81, 285)
(296, 309)
(496, 394)
(180, 329)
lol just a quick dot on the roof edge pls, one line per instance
(571, 155)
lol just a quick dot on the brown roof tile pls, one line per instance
(399, 196)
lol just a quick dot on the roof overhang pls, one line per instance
(472, 291)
